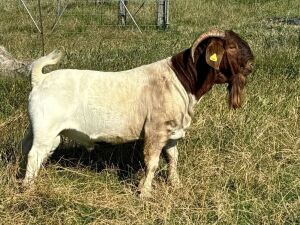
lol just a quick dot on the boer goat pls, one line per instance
(152, 102)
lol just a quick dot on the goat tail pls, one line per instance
(37, 66)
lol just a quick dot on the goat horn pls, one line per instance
(211, 33)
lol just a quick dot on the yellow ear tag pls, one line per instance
(213, 57)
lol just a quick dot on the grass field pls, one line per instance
(237, 167)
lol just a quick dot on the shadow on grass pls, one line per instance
(126, 158)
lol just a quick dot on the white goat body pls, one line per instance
(112, 107)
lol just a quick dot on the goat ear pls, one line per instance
(214, 53)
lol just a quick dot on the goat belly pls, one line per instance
(89, 141)
(104, 124)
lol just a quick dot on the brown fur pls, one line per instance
(234, 64)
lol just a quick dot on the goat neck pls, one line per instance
(197, 77)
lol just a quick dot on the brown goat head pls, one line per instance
(215, 57)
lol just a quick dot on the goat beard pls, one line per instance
(235, 89)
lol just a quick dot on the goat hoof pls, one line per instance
(26, 183)
(144, 194)
(175, 182)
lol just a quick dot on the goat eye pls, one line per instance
(250, 65)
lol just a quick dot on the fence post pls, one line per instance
(41, 26)
(58, 8)
(122, 12)
(163, 13)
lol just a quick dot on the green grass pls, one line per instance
(237, 167)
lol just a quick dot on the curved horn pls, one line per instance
(209, 34)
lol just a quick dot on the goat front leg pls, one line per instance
(171, 155)
(153, 145)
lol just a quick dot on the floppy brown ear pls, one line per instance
(214, 53)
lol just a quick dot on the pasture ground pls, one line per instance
(237, 167)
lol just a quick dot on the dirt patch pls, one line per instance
(284, 20)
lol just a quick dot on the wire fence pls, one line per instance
(44, 19)
(138, 13)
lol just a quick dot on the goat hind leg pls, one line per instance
(38, 153)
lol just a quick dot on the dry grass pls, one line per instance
(237, 167)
